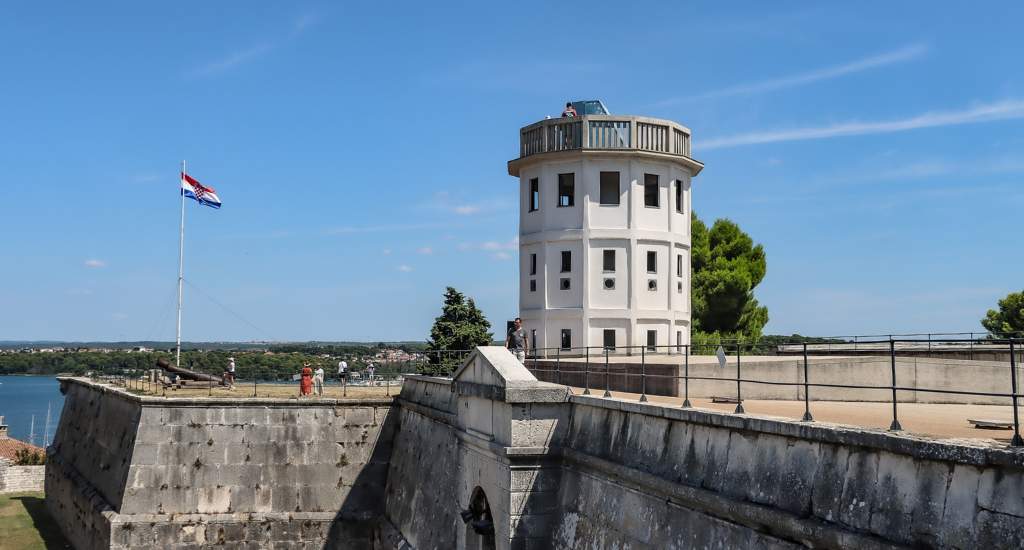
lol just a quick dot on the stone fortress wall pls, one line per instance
(495, 458)
(126, 471)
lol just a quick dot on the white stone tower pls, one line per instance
(604, 232)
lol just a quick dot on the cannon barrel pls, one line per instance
(186, 373)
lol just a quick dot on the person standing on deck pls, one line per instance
(318, 381)
(516, 341)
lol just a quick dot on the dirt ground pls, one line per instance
(930, 419)
(281, 390)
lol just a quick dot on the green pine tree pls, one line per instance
(727, 265)
(461, 326)
(1009, 319)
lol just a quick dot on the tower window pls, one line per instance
(609, 283)
(566, 339)
(533, 264)
(609, 339)
(565, 283)
(609, 261)
(533, 285)
(652, 340)
(610, 188)
(679, 341)
(652, 261)
(651, 190)
(679, 265)
(652, 284)
(679, 196)
(534, 194)
(566, 190)
(566, 261)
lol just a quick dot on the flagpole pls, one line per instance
(181, 264)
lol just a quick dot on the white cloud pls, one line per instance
(345, 230)
(986, 112)
(906, 53)
(233, 59)
(386, 252)
(404, 268)
(239, 57)
(466, 210)
(425, 250)
(95, 263)
(502, 256)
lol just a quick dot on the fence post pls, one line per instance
(586, 371)
(807, 400)
(686, 379)
(739, 395)
(643, 374)
(607, 374)
(254, 378)
(1016, 441)
(895, 426)
(558, 365)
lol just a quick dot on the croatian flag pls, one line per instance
(195, 190)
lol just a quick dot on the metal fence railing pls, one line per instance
(591, 367)
(384, 378)
(590, 364)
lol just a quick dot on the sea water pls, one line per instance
(21, 397)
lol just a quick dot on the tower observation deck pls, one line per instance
(604, 231)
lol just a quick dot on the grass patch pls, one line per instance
(26, 524)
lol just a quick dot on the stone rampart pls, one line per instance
(494, 458)
(646, 476)
(128, 471)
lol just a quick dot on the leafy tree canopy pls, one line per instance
(727, 265)
(1009, 318)
(461, 325)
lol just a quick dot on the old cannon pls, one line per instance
(186, 374)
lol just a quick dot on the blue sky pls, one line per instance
(360, 149)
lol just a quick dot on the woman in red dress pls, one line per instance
(306, 384)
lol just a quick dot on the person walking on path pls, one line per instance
(318, 381)
(516, 341)
(231, 371)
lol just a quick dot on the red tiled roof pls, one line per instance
(9, 446)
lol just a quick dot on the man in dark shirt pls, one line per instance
(516, 341)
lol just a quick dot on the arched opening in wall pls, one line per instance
(479, 523)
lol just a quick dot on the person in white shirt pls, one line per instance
(342, 370)
(318, 380)
(231, 371)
